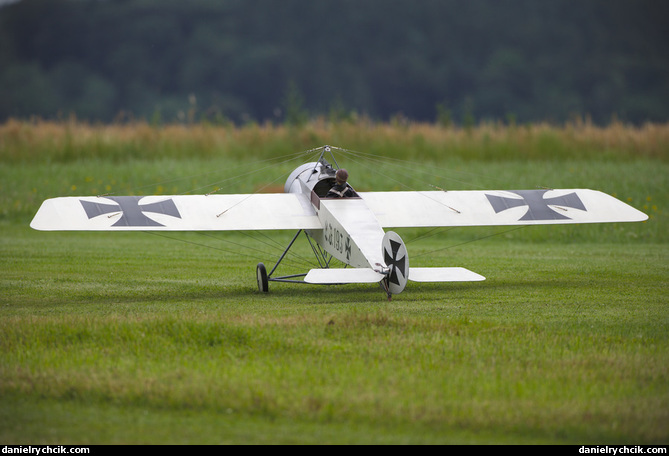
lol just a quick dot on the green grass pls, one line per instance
(139, 338)
(559, 345)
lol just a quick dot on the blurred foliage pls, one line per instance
(445, 61)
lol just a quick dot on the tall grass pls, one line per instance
(67, 141)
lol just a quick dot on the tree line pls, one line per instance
(450, 61)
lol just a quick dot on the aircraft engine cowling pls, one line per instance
(316, 176)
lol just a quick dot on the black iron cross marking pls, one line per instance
(537, 206)
(132, 213)
(347, 248)
(393, 262)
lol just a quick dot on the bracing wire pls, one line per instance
(281, 161)
(372, 159)
(366, 161)
(290, 261)
(469, 241)
(270, 163)
(274, 162)
(404, 165)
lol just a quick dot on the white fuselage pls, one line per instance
(350, 231)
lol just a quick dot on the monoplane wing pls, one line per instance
(497, 207)
(280, 211)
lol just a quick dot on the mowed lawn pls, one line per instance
(141, 338)
(145, 340)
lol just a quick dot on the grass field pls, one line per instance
(140, 338)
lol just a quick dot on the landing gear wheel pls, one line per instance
(263, 281)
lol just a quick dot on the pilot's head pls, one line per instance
(341, 176)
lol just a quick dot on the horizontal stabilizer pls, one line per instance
(443, 275)
(347, 275)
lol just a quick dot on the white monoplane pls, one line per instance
(349, 229)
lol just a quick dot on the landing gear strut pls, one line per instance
(265, 277)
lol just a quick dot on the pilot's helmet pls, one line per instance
(341, 176)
